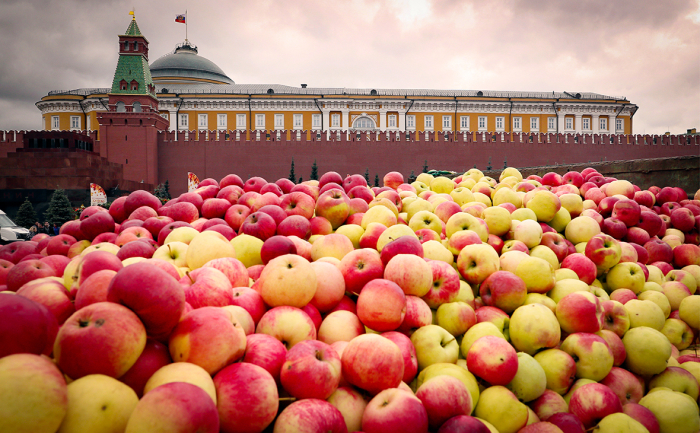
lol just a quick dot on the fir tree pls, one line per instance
(474, 165)
(412, 177)
(376, 180)
(425, 166)
(26, 217)
(489, 167)
(162, 191)
(300, 179)
(59, 210)
(292, 176)
(367, 175)
(314, 171)
(505, 162)
(166, 188)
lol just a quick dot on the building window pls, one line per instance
(410, 122)
(447, 123)
(569, 123)
(586, 124)
(184, 121)
(517, 123)
(259, 121)
(499, 123)
(335, 121)
(126, 45)
(619, 124)
(55, 122)
(121, 107)
(279, 121)
(316, 121)
(535, 124)
(363, 123)
(603, 124)
(392, 121)
(298, 121)
(552, 124)
(137, 107)
(429, 123)
(202, 121)
(482, 123)
(136, 45)
(164, 116)
(240, 121)
(75, 122)
(221, 121)
(464, 123)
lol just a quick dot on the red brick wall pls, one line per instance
(209, 157)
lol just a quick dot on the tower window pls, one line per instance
(136, 45)
(126, 45)
(122, 85)
(134, 85)
(137, 107)
(121, 107)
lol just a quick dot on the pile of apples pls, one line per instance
(553, 304)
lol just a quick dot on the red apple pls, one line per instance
(27, 326)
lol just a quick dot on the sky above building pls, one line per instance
(645, 50)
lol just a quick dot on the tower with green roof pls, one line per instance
(129, 129)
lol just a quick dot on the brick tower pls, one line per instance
(129, 129)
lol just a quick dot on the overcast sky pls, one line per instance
(645, 50)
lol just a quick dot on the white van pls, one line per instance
(9, 231)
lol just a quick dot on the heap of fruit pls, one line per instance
(552, 304)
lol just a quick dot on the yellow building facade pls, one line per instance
(195, 94)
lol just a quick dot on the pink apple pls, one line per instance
(27, 326)
(267, 352)
(418, 314)
(409, 354)
(396, 409)
(443, 398)
(593, 402)
(308, 416)
(311, 370)
(154, 356)
(330, 286)
(372, 363)
(295, 225)
(493, 359)
(580, 312)
(381, 305)
(206, 287)
(96, 223)
(445, 285)
(298, 203)
(236, 215)
(401, 245)
(289, 325)
(582, 265)
(26, 271)
(360, 267)
(52, 295)
(504, 290)
(276, 246)
(259, 224)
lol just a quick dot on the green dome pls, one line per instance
(185, 64)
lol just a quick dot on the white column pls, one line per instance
(382, 120)
(345, 119)
(561, 121)
(326, 122)
(402, 120)
(595, 119)
(577, 123)
(172, 118)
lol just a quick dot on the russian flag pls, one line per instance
(180, 19)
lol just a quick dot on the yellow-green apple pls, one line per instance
(379, 214)
(456, 317)
(26, 271)
(434, 344)
(33, 393)
(509, 260)
(94, 288)
(435, 250)
(143, 285)
(267, 352)
(287, 280)
(418, 205)
(593, 356)
(559, 368)
(98, 403)
(580, 312)
(176, 407)
(604, 251)
(617, 421)
(247, 249)
(615, 317)
(544, 203)
(418, 314)
(289, 325)
(393, 233)
(353, 231)
(372, 363)
(534, 327)
(658, 298)
(497, 219)
(76, 249)
(548, 404)
(504, 290)
(645, 313)
(311, 370)
(504, 194)
(351, 405)
(675, 291)
(477, 331)
(581, 229)
(396, 408)
(208, 338)
(565, 287)
(445, 284)
(626, 275)
(476, 262)
(464, 221)
(683, 277)
(676, 412)
(676, 379)
(340, 326)
(677, 331)
(182, 372)
(688, 311)
(443, 398)
(334, 205)
(538, 298)
(530, 381)
(593, 402)
(500, 407)
(647, 351)
(359, 267)
(183, 234)
(116, 330)
(537, 274)
(381, 305)
(331, 245)
(493, 359)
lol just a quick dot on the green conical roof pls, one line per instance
(133, 29)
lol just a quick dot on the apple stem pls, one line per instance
(188, 276)
(287, 399)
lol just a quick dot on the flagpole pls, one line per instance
(186, 24)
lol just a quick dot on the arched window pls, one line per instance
(126, 45)
(121, 107)
(136, 45)
(363, 123)
(137, 107)
(134, 85)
